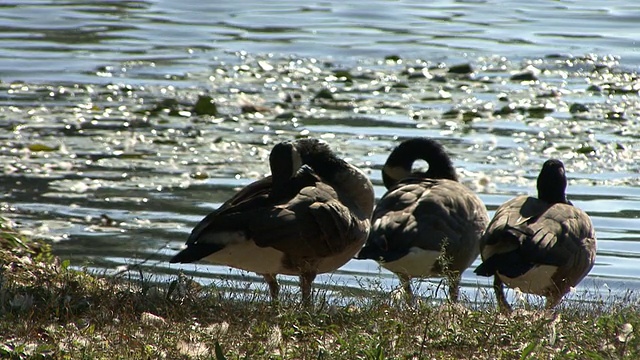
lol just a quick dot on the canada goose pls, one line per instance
(422, 214)
(311, 216)
(542, 246)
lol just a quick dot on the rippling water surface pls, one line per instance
(104, 153)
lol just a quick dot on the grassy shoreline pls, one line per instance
(50, 311)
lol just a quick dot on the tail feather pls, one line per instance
(510, 264)
(368, 252)
(195, 252)
(377, 254)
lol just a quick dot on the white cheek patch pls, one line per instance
(296, 161)
(397, 173)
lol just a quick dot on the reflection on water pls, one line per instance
(153, 40)
(103, 152)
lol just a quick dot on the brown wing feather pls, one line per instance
(558, 234)
(254, 195)
(569, 239)
(429, 214)
(312, 223)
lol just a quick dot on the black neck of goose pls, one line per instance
(284, 161)
(405, 154)
(320, 158)
(552, 183)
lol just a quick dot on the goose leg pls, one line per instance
(552, 301)
(405, 281)
(503, 305)
(454, 287)
(306, 279)
(274, 288)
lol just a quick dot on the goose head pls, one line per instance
(353, 185)
(318, 155)
(284, 161)
(400, 162)
(552, 182)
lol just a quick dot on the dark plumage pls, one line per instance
(309, 217)
(542, 246)
(422, 214)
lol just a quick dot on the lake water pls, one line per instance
(104, 154)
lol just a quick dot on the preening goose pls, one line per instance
(422, 214)
(311, 216)
(542, 246)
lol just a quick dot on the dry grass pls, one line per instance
(48, 310)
